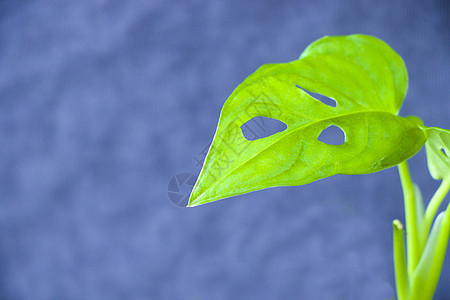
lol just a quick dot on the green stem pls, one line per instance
(412, 237)
(426, 276)
(432, 208)
(401, 276)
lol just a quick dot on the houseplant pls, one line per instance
(368, 82)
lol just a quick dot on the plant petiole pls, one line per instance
(433, 206)
(412, 236)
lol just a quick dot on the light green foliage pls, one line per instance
(438, 149)
(368, 81)
(418, 278)
(425, 276)
(438, 152)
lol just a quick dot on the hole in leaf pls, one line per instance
(324, 99)
(332, 135)
(443, 152)
(260, 127)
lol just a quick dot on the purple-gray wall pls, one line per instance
(103, 102)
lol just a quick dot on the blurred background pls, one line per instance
(103, 103)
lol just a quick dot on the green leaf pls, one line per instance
(438, 152)
(368, 81)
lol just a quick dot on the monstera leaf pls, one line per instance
(368, 81)
(438, 152)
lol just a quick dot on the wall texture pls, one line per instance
(103, 102)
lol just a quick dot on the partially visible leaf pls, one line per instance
(438, 152)
(368, 81)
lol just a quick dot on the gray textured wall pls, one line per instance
(103, 102)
